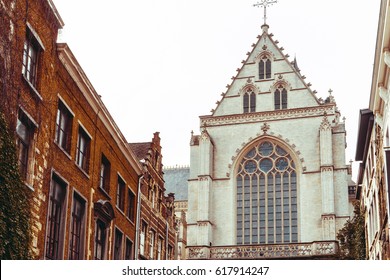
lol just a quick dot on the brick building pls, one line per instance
(82, 174)
(373, 148)
(157, 234)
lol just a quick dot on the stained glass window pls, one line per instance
(267, 196)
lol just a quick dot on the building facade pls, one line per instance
(156, 235)
(176, 181)
(268, 177)
(373, 148)
(73, 158)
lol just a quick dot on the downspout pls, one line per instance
(167, 242)
(137, 223)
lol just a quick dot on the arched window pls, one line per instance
(249, 101)
(267, 196)
(280, 95)
(264, 68)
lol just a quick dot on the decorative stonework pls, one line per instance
(321, 249)
(279, 138)
(325, 124)
(268, 116)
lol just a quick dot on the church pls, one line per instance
(268, 175)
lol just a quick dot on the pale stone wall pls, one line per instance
(320, 160)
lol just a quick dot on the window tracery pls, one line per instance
(266, 196)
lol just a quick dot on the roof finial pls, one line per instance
(265, 4)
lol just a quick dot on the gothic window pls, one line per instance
(280, 95)
(76, 244)
(56, 219)
(249, 101)
(264, 68)
(267, 196)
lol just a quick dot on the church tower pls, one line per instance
(268, 176)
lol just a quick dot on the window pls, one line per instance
(267, 196)
(118, 244)
(105, 168)
(56, 219)
(31, 51)
(104, 214)
(159, 248)
(63, 127)
(264, 68)
(170, 252)
(131, 205)
(83, 147)
(280, 98)
(120, 194)
(100, 240)
(77, 234)
(129, 250)
(249, 101)
(142, 239)
(151, 244)
(25, 130)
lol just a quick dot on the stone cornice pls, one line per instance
(207, 121)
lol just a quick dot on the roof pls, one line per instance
(176, 181)
(140, 149)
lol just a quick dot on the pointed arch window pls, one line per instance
(267, 209)
(249, 101)
(280, 97)
(265, 68)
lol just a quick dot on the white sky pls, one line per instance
(159, 65)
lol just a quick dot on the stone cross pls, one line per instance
(265, 4)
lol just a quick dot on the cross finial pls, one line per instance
(330, 91)
(265, 4)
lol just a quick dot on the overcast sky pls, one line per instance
(159, 65)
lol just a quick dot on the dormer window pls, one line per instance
(280, 96)
(264, 68)
(249, 101)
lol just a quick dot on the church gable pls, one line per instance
(267, 81)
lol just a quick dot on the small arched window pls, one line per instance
(249, 101)
(264, 68)
(280, 96)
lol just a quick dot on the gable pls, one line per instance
(282, 73)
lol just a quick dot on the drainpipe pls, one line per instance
(167, 242)
(138, 219)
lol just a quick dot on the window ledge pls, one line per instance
(29, 186)
(130, 221)
(32, 88)
(104, 192)
(120, 210)
(82, 170)
(62, 149)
